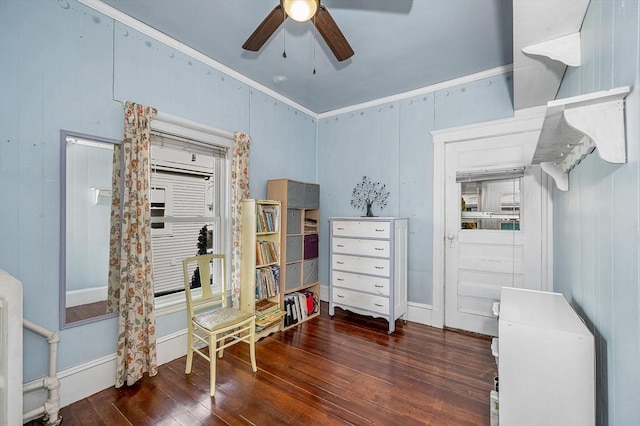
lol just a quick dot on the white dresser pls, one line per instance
(369, 266)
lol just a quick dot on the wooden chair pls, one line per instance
(210, 321)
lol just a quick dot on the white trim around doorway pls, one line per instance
(521, 124)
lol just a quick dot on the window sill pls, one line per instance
(170, 304)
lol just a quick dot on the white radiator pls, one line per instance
(11, 350)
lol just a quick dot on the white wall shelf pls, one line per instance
(564, 49)
(574, 127)
(546, 39)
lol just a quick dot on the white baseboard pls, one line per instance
(84, 380)
(85, 295)
(416, 312)
(420, 313)
(324, 293)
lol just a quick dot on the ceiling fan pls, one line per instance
(301, 10)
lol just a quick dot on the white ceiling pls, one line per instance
(400, 45)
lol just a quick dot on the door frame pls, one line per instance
(520, 124)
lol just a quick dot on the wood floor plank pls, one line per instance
(345, 370)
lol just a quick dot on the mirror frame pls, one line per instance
(63, 228)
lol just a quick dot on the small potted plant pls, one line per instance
(202, 249)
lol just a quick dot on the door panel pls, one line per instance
(496, 242)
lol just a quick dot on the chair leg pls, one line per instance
(252, 346)
(221, 350)
(187, 369)
(212, 364)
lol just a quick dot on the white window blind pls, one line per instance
(188, 191)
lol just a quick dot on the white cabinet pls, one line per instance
(546, 361)
(369, 267)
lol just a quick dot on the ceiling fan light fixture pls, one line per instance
(300, 10)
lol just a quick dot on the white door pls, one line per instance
(493, 227)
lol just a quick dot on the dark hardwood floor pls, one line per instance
(345, 370)
(82, 312)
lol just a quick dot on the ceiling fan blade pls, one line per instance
(265, 30)
(331, 34)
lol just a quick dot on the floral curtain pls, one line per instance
(130, 278)
(239, 191)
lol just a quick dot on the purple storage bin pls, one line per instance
(311, 246)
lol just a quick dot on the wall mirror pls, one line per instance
(86, 164)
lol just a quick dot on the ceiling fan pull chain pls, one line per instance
(313, 30)
(284, 35)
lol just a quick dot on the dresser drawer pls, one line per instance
(370, 302)
(380, 248)
(363, 265)
(367, 229)
(375, 285)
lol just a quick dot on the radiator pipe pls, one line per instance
(51, 407)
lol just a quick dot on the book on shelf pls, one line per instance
(310, 225)
(266, 252)
(266, 306)
(300, 305)
(268, 218)
(267, 282)
(268, 314)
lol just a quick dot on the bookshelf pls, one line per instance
(300, 202)
(260, 264)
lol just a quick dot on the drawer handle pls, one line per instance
(340, 296)
(378, 305)
(340, 245)
(340, 229)
(339, 279)
(379, 249)
(378, 285)
(379, 230)
(379, 267)
(339, 263)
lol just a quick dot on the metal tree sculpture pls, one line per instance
(367, 193)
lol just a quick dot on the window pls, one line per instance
(490, 200)
(189, 199)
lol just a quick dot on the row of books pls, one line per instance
(268, 314)
(267, 282)
(300, 305)
(268, 218)
(266, 253)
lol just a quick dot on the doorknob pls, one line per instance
(451, 237)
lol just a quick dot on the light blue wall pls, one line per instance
(65, 66)
(283, 143)
(391, 144)
(596, 223)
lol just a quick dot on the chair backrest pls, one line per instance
(210, 270)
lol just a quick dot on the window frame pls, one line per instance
(181, 127)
